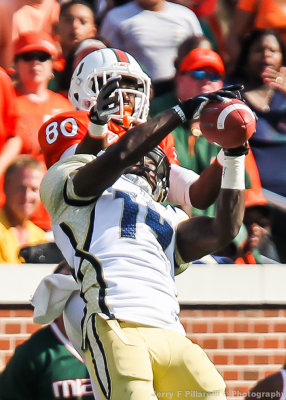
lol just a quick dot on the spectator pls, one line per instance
(260, 69)
(209, 16)
(170, 97)
(258, 222)
(76, 23)
(6, 16)
(250, 15)
(189, 44)
(10, 144)
(41, 15)
(21, 187)
(151, 31)
(18, 16)
(46, 366)
(253, 244)
(33, 56)
(263, 49)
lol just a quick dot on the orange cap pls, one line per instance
(34, 41)
(202, 58)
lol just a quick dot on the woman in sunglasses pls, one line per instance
(34, 52)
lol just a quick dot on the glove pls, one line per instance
(106, 103)
(193, 107)
(231, 92)
(237, 151)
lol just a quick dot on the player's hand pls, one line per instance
(231, 92)
(107, 102)
(193, 107)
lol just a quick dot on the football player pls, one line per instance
(110, 123)
(121, 243)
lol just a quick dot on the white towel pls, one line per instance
(51, 296)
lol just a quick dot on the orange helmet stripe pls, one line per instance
(121, 55)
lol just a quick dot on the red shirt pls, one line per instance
(8, 115)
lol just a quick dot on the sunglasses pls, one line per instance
(35, 56)
(200, 75)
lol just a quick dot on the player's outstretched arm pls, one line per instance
(98, 175)
(199, 236)
(203, 190)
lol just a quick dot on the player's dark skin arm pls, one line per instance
(204, 235)
(101, 173)
(202, 193)
(90, 145)
(205, 190)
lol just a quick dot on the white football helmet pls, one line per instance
(94, 70)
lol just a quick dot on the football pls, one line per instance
(228, 124)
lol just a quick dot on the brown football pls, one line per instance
(229, 123)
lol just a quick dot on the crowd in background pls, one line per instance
(187, 48)
(234, 41)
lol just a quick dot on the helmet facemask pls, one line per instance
(87, 81)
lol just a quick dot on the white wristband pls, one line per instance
(180, 113)
(97, 131)
(233, 173)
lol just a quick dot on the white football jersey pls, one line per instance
(121, 245)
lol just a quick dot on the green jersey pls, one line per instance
(45, 367)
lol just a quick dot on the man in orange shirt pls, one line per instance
(35, 103)
(9, 143)
(17, 16)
